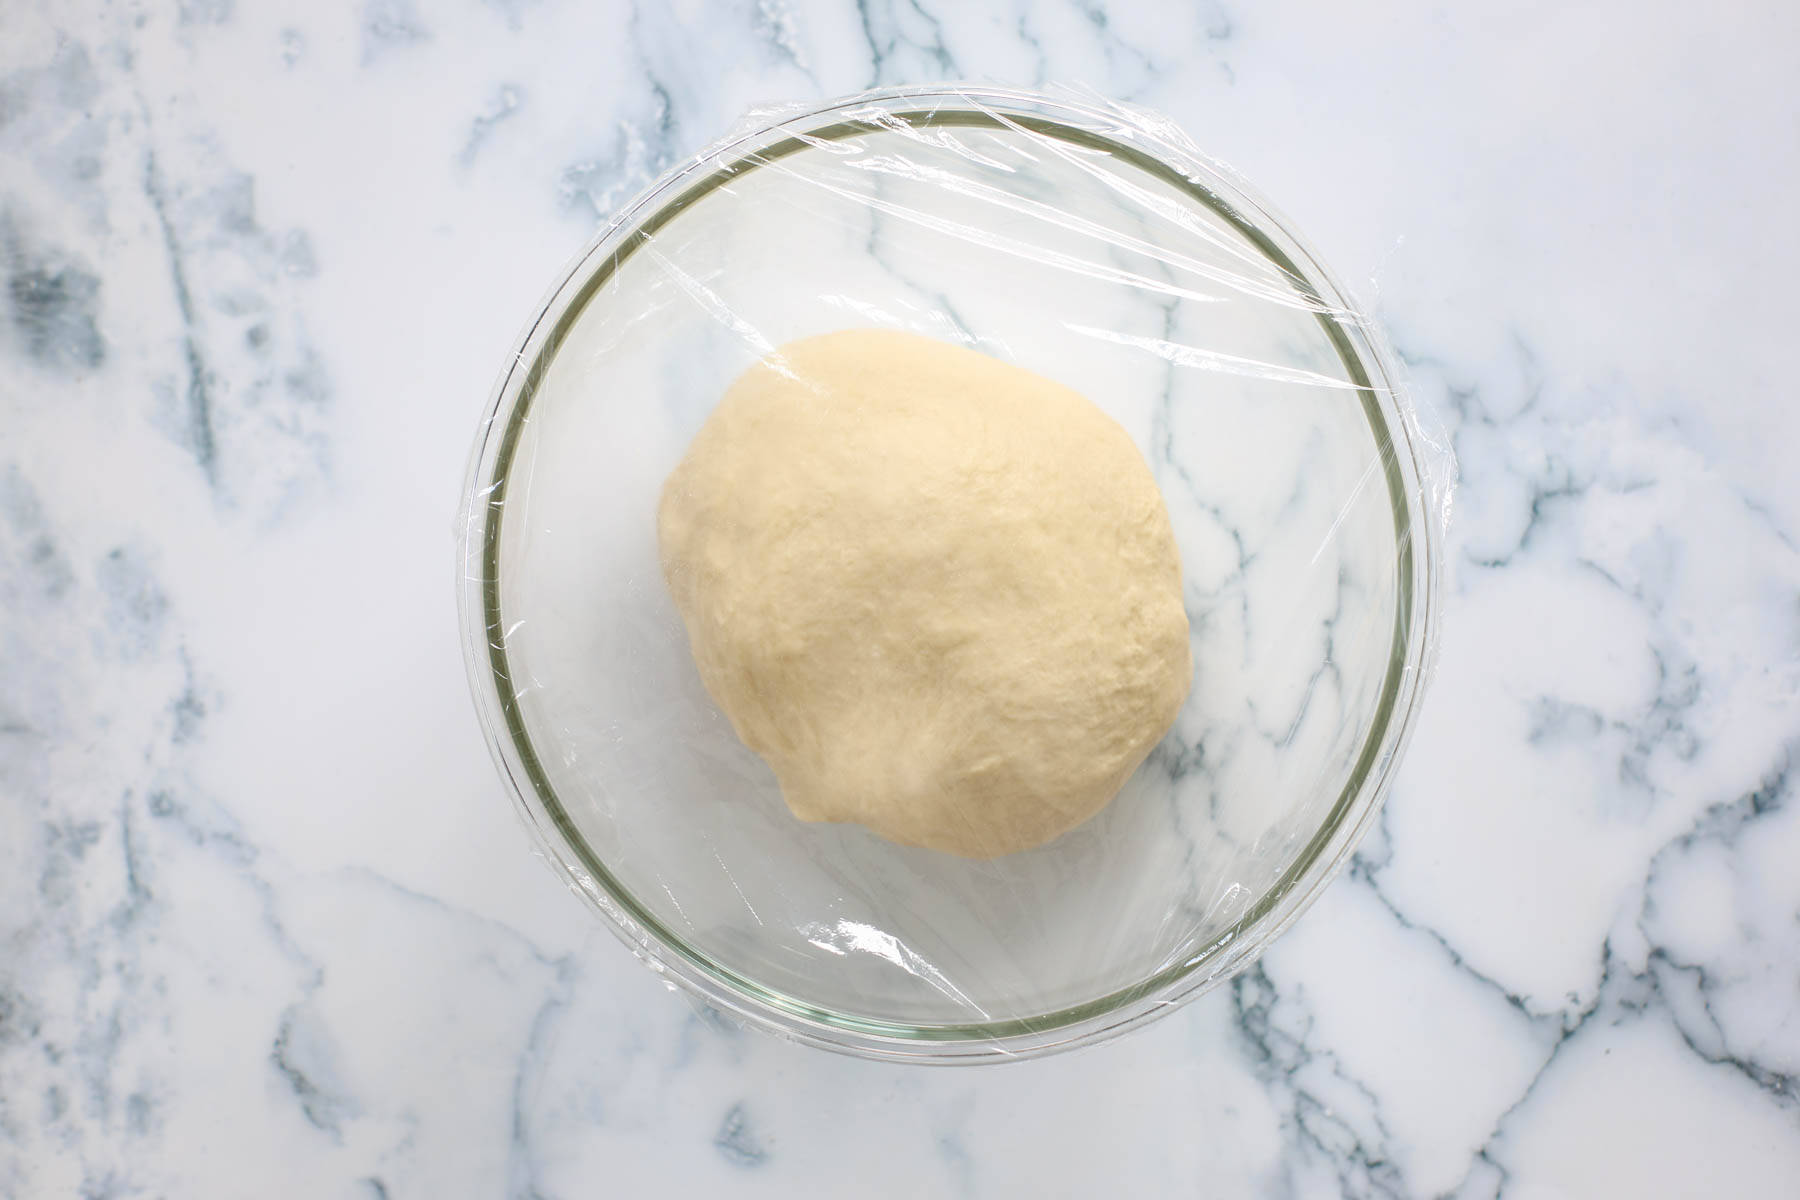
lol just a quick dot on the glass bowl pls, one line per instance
(1088, 244)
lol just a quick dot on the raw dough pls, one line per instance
(937, 593)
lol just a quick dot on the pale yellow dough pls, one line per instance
(937, 593)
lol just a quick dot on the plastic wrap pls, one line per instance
(1086, 242)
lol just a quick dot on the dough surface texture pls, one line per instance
(937, 593)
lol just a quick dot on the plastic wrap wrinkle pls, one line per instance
(1212, 360)
(892, 165)
(1154, 203)
(709, 300)
(1019, 248)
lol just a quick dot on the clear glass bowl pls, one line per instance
(1089, 245)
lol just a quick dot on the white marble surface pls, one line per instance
(267, 926)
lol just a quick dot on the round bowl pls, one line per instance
(1086, 243)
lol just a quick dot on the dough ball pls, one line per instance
(937, 593)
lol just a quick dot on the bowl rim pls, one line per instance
(1157, 151)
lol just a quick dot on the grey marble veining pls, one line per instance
(266, 924)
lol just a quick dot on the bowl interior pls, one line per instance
(1055, 252)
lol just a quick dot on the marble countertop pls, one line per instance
(268, 926)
